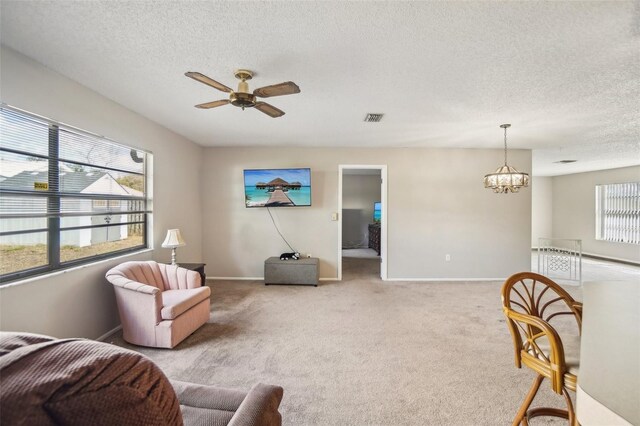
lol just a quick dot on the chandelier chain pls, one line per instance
(505, 146)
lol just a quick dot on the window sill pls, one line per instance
(75, 268)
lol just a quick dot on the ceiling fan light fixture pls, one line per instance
(242, 100)
(506, 178)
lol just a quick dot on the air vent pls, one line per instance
(565, 161)
(373, 118)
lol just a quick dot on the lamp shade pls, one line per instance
(506, 179)
(173, 239)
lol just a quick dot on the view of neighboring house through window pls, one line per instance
(66, 196)
(618, 212)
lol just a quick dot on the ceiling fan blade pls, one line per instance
(208, 81)
(268, 109)
(286, 88)
(213, 104)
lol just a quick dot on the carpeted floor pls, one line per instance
(362, 351)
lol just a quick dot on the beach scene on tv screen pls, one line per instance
(277, 187)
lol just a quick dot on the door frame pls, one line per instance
(383, 207)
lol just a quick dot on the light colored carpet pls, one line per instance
(362, 351)
(363, 253)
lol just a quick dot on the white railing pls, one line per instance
(560, 259)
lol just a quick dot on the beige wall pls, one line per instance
(79, 302)
(359, 192)
(487, 235)
(541, 208)
(574, 211)
(200, 191)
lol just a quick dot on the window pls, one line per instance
(67, 197)
(618, 212)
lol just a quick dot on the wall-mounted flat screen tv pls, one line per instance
(377, 211)
(277, 187)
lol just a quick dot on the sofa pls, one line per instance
(159, 305)
(47, 381)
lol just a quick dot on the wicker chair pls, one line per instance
(530, 301)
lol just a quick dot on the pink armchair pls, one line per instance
(159, 305)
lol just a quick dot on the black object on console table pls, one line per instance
(374, 237)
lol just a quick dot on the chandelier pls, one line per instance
(506, 178)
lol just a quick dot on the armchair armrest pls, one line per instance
(538, 328)
(139, 306)
(257, 407)
(126, 283)
(260, 407)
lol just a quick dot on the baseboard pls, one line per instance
(236, 278)
(600, 257)
(388, 279)
(105, 336)
(611, 259)
(445, 279)
(255, 279)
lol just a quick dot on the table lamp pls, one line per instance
(173, 241)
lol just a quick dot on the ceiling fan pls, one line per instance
(242, 97)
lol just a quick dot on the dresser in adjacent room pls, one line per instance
(374, 237)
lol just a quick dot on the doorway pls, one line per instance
(362, 222)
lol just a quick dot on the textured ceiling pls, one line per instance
(446, 74)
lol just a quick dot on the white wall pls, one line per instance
(574, 211)
(80, 302)
(487, 235)
(359, 192)
(541, 208)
